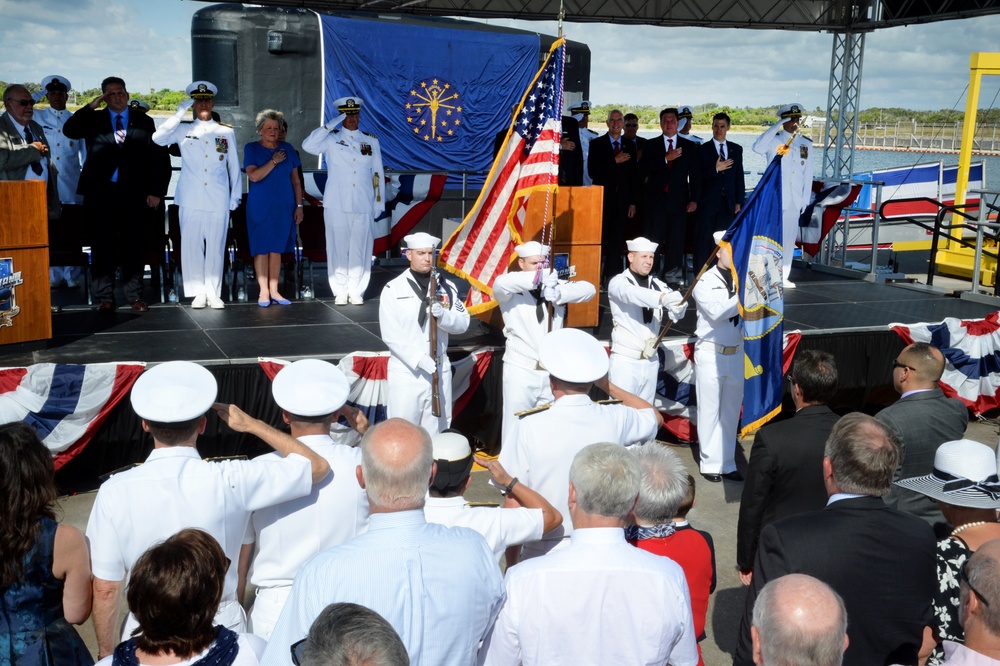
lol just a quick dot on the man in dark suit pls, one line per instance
(879, 560)
(631, 132)
(723, 189)
(611, 164)
(570, 154)
(785, 474)
(923, 418)
(672, 176)
(123, 181)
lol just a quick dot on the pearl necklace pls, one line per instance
(968, 525)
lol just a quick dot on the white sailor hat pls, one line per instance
(349, 105)
(310, 387)
(453, 457)
(174, 392)
(53, 81)
(964, 474)
(532, 249)
(717, 236)
(420, 240)
(641, 244)
(790, 111)
(583, 107)
(685, 111)
(571, 355)
(201, 90)
(138, 104)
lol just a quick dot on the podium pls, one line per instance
(25, 301)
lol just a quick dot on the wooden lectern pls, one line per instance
(578, 213)
(25, 301)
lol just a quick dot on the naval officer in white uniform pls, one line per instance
(353, 198)
(524, 296)
(637, 301)
(685, 116)
(209, 187)
(311, 394)
(796, 177)
(718, 367)
(404, 317)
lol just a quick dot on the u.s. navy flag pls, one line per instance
(481, 248)
(755, 240)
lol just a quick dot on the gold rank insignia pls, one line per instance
(434, 110)
(221, 144)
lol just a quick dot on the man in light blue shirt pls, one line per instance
(439, 587)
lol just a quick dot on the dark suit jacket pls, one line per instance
(670, 187)
(879, 560)
(619, 183)
(717, 187)
(143, 167)
(785, 475)
(923, 421)
(571, 161)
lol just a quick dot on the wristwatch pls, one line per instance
(506, 490)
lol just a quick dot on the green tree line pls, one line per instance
(158, 100)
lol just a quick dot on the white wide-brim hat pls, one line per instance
(310, 387)
(174, 392)
(571, 355)
(964, 474)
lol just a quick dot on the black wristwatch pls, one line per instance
(506, 490)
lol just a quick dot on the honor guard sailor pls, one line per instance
(524, 297)
(796, 177)
(718, 363)
(407, 310)
(209, 187)
(353, 198)
(637, 301)
(544, 441)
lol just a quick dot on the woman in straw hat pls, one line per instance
(965, 486)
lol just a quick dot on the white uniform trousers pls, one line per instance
(635, 375)
(522, 389)
(230, 615)
(719, 390)
(410, 396)
(203, 249)
(266, 610)
(789, 232)
(349, 241)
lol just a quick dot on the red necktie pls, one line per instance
(614, 145)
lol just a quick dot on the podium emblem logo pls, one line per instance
(9, 280)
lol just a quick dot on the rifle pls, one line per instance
(432, 328)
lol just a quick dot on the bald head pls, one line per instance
(982, 620)
(924, 366)
(397, 465)
(798, 621)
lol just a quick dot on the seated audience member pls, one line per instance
(599, 600)
(502, 527)
(964, 485)
(664, 487)
(798, 620)
(174, 590)
(350, 635)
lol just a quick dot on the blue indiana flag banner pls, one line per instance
(434, 96)
(755, 240)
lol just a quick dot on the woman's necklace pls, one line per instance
(968, 525)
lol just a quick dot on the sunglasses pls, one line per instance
(24, 102)
(631, 124)
(897, 364)
(963, 575)
(297, 651)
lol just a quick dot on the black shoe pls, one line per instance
(713, 478)
(732, 476)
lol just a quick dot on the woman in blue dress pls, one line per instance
(274, 203)
(44, 566)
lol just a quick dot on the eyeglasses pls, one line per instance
(297, 648)
(631, 124)
(897, 364)
(963, 575)
(24, 102)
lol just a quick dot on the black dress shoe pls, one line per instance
(106, 307)
(714, 478)
(733, 476)
(139, 305)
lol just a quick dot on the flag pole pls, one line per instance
(687, 294)
(562, 15)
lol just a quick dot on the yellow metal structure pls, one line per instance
(955, 259)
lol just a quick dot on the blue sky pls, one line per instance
(147, 42)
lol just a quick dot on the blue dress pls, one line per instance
(271, 201)
(32, 627)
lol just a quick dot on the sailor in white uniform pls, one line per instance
(404, 314)
(311, 394)
(353, 198)
(685, 116)
(524, 296)
(209, 187)
(637, 301)
(67, 156)
(718, 362)
(581, 113)
(796, 177)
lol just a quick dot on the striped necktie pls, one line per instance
(119, 130)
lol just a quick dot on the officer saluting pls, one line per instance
(209, 187)
(353, 198)
(404, 316)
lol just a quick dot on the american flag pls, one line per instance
(481, 248)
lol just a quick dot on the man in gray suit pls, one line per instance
(924, 418)
(24, 152)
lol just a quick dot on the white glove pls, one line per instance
(437, 310)
(426, 363)
(551, 294)
(184, 106)
(234, 204)
(671, 298)
(676, 311)
(550, 279)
